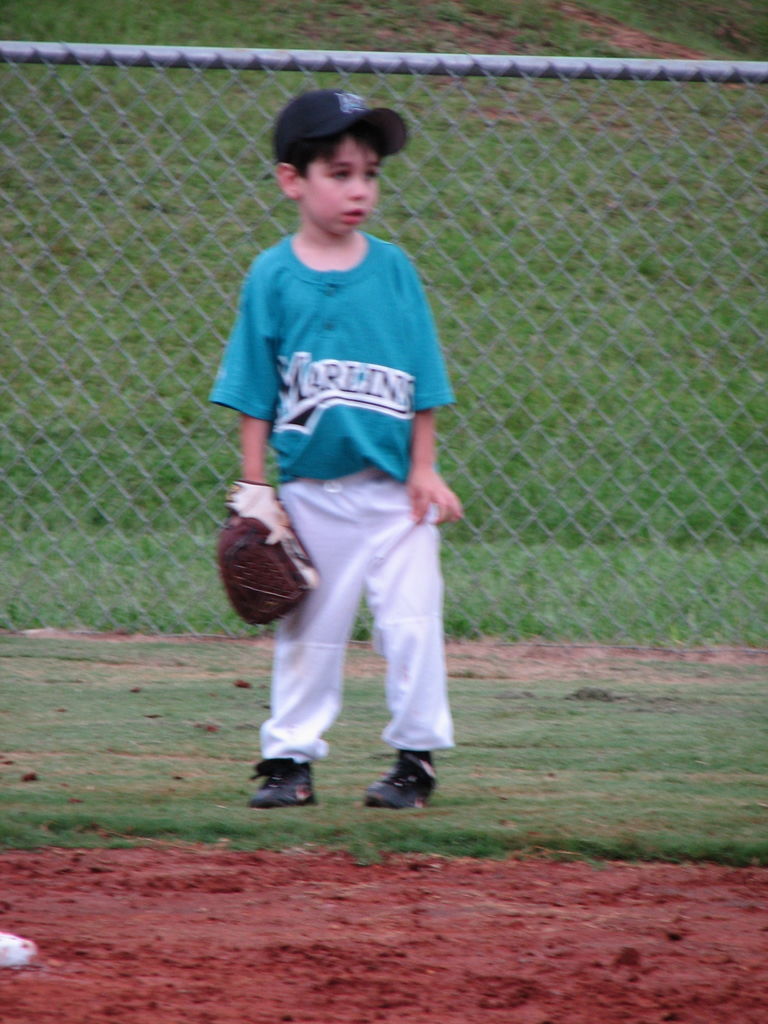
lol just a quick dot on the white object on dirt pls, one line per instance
(15, 951)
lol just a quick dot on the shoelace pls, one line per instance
(398, 778)
(273, 776)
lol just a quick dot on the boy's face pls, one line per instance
(336, 195)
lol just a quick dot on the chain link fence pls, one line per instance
(592, 237)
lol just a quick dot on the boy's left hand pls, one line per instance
(426, 488)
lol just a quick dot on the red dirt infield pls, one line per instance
(206, 935)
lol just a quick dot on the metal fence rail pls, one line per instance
(592, 236)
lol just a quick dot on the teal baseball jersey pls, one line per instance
(337, 361)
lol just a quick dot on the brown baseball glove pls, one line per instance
(264, 568)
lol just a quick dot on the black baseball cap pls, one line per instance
(324, 112)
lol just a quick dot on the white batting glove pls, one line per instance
(259, 501)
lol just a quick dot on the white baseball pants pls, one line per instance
(360, 535)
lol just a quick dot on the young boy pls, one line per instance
(334, 362)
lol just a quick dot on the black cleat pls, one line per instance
(289, 784)
(409, 784)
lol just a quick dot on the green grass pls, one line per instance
(479, 26)
(165, 582)
(627, 757)
(605, 327)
